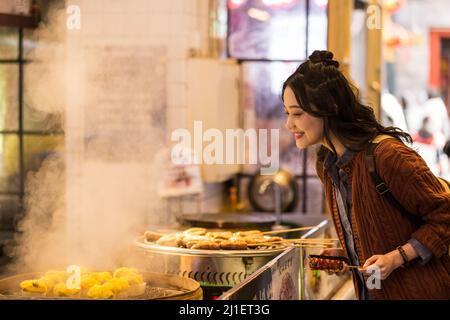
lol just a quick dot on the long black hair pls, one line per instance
(323, 91)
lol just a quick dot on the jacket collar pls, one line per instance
(345, 161)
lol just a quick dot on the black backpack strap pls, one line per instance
(380, 186)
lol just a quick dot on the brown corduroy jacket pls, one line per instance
(379, 227)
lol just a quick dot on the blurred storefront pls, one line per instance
(415, 75)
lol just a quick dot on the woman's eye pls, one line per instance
(297, 114)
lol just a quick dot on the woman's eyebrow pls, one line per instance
(293, 106)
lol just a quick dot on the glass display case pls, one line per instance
(288, 276)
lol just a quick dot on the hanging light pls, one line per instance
(277, 3)
(321, 3)
(392, 6)
(257, 14)
(234, 4)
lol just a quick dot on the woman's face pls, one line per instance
(307, 130)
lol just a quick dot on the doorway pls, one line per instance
(445, 71)
(439, 63)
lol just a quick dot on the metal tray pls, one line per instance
(262, 252)
(240, 221)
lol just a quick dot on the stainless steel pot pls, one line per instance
(209, 267)
(262, 192)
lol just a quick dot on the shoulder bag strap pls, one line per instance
(381, 187)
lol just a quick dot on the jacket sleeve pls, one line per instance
(423, 253)
(418, 190)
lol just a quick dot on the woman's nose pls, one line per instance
(289, 125)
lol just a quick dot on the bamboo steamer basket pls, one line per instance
(168, 287)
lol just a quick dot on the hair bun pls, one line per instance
(323, 56)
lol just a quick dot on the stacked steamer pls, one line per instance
(214, 257)
(121, 284)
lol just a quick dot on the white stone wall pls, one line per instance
(180, 25)
(116, 63)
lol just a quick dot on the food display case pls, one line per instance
(318, 285)
(266, 272)
(279, 279)
(288, 276)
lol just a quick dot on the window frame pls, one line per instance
(304, 177)
(21, 133)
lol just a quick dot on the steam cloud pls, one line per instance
(86, 204)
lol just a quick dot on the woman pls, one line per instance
(411, 250)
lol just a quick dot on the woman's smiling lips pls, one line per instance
(298, 135)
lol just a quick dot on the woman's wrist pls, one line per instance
(396, 258)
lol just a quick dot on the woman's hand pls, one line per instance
(386, 263)
(337, 252)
